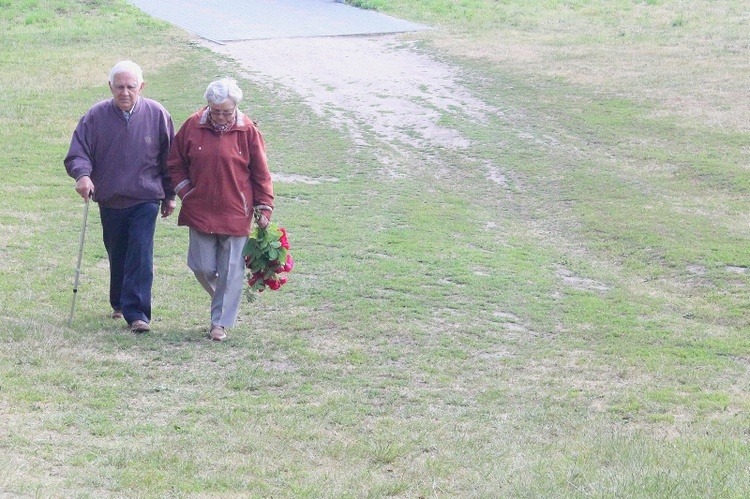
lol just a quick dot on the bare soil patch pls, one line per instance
(382, 84)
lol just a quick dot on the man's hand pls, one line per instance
(167, 207)
(85, 187)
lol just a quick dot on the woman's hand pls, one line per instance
(263, 221)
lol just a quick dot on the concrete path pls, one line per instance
(232, 20)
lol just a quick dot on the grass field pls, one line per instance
(577, 328)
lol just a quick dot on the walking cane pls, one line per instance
(80, 255)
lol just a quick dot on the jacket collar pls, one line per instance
(241, 123)
(132, 110)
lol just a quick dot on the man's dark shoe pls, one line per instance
(140, 326)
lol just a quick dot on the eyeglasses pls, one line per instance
(225, 114)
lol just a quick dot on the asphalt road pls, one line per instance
(232, 20)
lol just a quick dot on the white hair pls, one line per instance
(126, 67)
(220, 90)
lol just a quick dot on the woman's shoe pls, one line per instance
(217, 333)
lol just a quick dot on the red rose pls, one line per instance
(283, 240)
(289, 265)
(272, 283)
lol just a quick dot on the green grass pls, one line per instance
(579, 329)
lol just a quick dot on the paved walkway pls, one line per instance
(232, 20)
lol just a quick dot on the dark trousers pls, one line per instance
(129, 240)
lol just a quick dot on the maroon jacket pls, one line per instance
(220, 177)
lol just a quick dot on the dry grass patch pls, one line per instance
(689, 58)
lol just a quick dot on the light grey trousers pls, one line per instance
(217, 263)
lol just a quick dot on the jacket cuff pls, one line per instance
(183, 188)
(268, 210)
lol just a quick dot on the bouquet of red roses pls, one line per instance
(267, 257)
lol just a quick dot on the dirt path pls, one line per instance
(362, 84)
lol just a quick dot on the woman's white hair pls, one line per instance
(126, 67)
(220, 90)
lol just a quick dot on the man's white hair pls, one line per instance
(126, 67)
(220, 90)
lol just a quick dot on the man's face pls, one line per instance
(125, 89)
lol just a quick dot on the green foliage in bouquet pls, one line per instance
(267, 257)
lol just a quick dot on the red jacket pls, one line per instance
(220, 177)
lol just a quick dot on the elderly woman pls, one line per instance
(218, 168)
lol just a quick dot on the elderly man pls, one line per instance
(118, 158)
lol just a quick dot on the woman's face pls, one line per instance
(222, 113)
